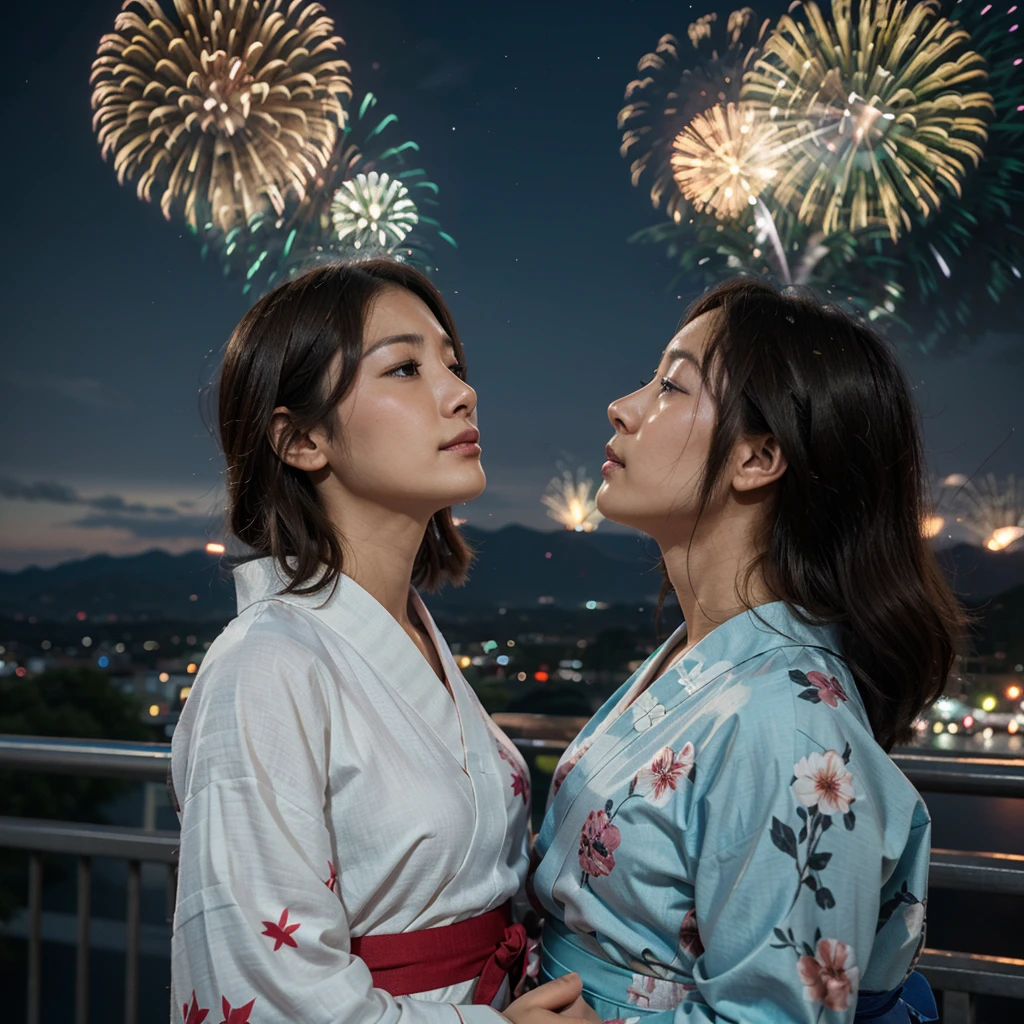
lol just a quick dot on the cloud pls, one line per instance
(86, 391)
(112, 511)
(148, 528)
(60, 494)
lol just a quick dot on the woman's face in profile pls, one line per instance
(662, 437)
(406, 430)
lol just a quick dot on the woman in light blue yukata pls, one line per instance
(728, 840)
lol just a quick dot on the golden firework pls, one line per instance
(885, 103)
(723, 159)
(569, 502)
(992, 510)
(222, 110)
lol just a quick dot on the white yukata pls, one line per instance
(331, 788)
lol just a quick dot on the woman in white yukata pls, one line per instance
(354, 825)
(727, 840)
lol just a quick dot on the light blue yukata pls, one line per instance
(729, 843)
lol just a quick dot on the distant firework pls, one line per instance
(724, 158)
(992, 510)
(223, 109)
(678, 81)
(889, 101)
(569, 502)
(373, 211)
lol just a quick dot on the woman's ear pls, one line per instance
(298, 450)
(759, 462)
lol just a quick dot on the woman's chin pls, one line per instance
(610, 508)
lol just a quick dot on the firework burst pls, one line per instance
(723, 159)
(569, 502)
(677, 82)
(373, 210)
(887, 104)
(222, 110)
(269, 248)
(992, 510)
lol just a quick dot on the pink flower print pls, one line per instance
(656, 993)
(598, 842)
(623, 1020)
(830, 977)
(830, 690)
(689, 936)
(657, 782)
(567, 764)
(823, 781)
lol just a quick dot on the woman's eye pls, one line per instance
(409, 369)
(667, 385)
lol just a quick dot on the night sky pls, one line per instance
(112, 322)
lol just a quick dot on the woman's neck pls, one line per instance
(709, 574)
(379, 549)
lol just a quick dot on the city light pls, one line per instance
(1013, 727)
(191, 668)
(937, 728)
(164, 677)
(953, 728)
(213, 548)
(154, 710)
(1013, 692)
(465, 661)
(988, 704)
(968, 721)
(521, 676)
(541, 677)
(502, 659)
(87, 641)
(183, 693)
(103, 661)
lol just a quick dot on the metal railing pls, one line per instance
(960, 977)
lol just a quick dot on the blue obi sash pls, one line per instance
(605, 985)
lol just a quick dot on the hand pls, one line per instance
(582, 1010)
(544, 1004)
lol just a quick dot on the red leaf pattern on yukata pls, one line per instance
(239, 1015)
(332, 881)
(193, 1014)
(281, 932)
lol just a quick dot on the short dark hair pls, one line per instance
(280, 354)
(843, 540)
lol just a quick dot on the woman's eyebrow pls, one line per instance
(675, 354)
(406, 339)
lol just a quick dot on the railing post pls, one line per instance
(957, 1008)
(82, 951)
(131, 944)
(35, 930)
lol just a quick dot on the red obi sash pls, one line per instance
(489, 947)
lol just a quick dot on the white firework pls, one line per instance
(569, 502)
(373, 210)
(992, 510)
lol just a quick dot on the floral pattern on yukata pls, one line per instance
(520, 782)
(827, 970)
(568, 763)
(819, 687)
(655, 783)
(823, 788)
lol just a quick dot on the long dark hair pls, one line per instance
(843, 539)
(279, 354)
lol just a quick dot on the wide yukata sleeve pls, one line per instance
(260, 931)
(808, 854)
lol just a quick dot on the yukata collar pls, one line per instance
(368, 627)
(751, 633)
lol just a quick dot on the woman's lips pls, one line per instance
(613, 462)
(466, 443)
